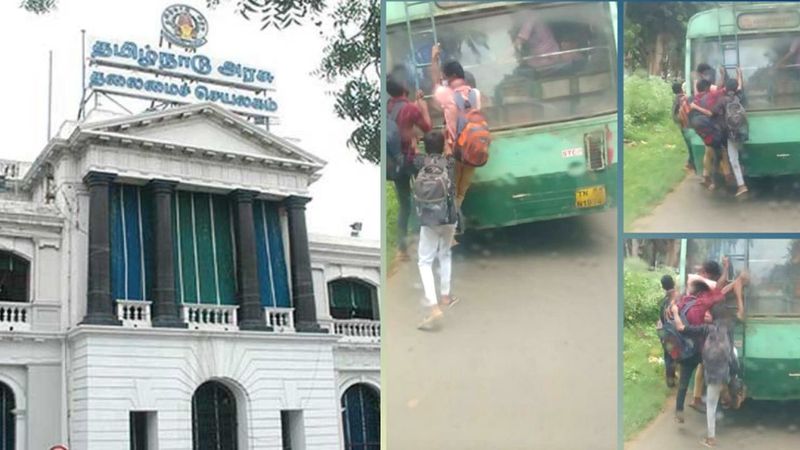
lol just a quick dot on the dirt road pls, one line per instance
(527, 360)
(771, 206)
(757, 426)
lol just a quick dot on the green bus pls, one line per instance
(764, 39)
(768, 340)
(553, 120)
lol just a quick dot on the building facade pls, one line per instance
(159, 290)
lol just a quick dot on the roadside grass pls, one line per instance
(653, 166)
(391, 223)
(644, 388)
(655, 152)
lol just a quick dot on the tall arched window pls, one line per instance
(361, 418)
(7, 419)
(14, 273)
(214, 425)
(351, 298)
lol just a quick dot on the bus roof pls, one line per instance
(396, 13)
(720, 20)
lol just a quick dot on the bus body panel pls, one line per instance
(772, 358)
(773, 148)
(533, 174)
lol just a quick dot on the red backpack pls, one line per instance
(472, 132)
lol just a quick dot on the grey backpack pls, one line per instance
(736, 120)
(432, 192)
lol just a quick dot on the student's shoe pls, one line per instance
(433, 316)
(679, 416)
(709, 442)
(450, 302)
(707, 183)
(712, 187)
(698, 406)
(741, 191)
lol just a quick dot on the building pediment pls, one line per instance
(205, 127)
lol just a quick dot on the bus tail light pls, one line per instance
(610, 146)
(594, 145)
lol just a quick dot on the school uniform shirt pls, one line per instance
(696, 314)
(445, 98)
(408, 118)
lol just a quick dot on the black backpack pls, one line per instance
(677, 344)
(395, 160)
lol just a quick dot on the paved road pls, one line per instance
(757, 426)
(772, 206)
(527, 360)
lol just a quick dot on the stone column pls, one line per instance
(251, 313)
(305, 311)
(99, 304)
(165, 308)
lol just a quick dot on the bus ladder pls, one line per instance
(729, 47)
(417, 64)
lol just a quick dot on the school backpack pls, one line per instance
(736, 119)
(680, 111)
(677, 344)
(432, 192)
(394, 142)
(706, 128)
(472, 132)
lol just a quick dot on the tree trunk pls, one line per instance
(657, 55)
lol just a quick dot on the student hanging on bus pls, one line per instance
(408, 117)
(680, 115)
(718, 356)
(704, 289)
(700, 119)
(730, 112)
(434, 196)
(444, 94)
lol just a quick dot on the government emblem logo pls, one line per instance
(184, 26)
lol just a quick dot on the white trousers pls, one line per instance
(434, 242)
(733, 156)
(712, 398)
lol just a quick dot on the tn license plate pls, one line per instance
(590, 196)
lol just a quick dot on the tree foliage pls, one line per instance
(38, 6)
(351, 57)
(278, 14)
(657, 31)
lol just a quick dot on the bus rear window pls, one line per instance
(531, 63)
(770, 66)
(774, 278)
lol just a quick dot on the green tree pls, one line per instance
(39, 6)
(351, 57)
(654, 35)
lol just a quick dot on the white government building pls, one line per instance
(159, 290)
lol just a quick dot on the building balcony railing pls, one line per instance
(15, 316)
(211, 317)
(134, 313)
(357, 330)
(280, 319)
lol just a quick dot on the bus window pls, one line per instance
(768, 83)
(774, 278)
(532, 63)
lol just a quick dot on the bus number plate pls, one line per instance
(590, 196)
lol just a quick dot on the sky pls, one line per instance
(348, 192)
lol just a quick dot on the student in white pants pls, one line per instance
(435, 239)
(434, 242)
(733, 155)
